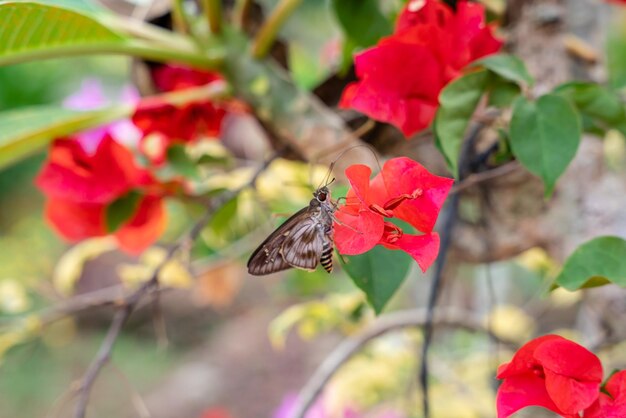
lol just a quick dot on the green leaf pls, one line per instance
(379, 273)
(121, 210)
(221, 223)
(78, 5)
(596, 102)
(27, 130)
(502, 93)
(457, 103)
(33, 30)
(362, 21)
(181, 162)
(616, 54)
(594, 263)
(544, 136)
(508, 67)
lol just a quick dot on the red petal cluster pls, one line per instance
(80, 187)
(164, 124)
(551, 372)
(611, 404)
(403, 189)
(401, 77)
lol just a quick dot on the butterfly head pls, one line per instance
(322, 194)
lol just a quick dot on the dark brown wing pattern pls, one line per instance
(268, 258)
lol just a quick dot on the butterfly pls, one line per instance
(303, 241)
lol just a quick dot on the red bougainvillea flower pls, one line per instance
(400, 78)
(551, 372)
(80, 187)
(163, 124)
(613, 403)
(171, 77)
(403, 189)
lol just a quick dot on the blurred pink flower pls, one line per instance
(90, 96)
(286, 409)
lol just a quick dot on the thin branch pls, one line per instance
(213, 12)
(477, 178)
(240, 12)
(130, 303)
(392, 322)
(268, 32)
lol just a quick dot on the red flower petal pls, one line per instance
(358, 233)
(70, 173)
(613, 406)
(568, 358)
(172, 77)
(573, 374)
(570, 395)
(423, 248)
(405, 176)
(145, 227)
(520, 391)
(390, 91)
(75, 221)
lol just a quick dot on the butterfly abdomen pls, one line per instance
(326, 260)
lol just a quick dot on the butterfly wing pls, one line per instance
(304, 244)
(267, 259)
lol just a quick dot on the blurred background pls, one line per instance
(220, 338)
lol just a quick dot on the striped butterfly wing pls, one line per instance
(267, 258)
(304, 245)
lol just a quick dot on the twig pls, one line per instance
(240, 12)
(477, 178)
(213, 12)
(435, 290)
(388, 323)
(267, 34)
(131, 302)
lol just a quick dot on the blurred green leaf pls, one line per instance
(616, 52)
(457, 103)
(544, 136)
(181, 162)
(502, 93)
(121, 210)
(597, 102)
(508, 67)
(594, 263)
(34, 30)
(78, 5)
(224, 215)
(379, 273)
(27, 130)
(362, 21)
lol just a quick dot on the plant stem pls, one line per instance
(136, 48)
(242, 8)
(267, 34)
(213, 12)
(179, 20)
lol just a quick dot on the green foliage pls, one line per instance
(379, 273)
(616, 54)
(33, 30)
(508, 67)
(595, 102)
(120, 211)
(544, 136)
(457, 103)
(596, 262)
(181, 162)
(26, 131)
(362, 21)
(502, 93)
